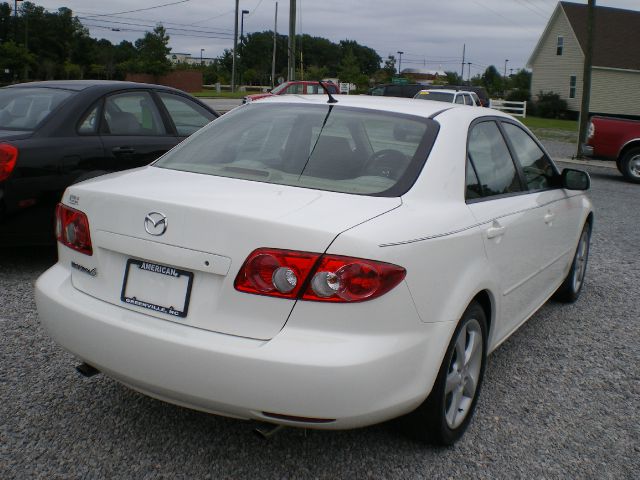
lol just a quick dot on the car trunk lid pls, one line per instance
(211, 225)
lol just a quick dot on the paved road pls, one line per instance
(561, 397)
(221, 105)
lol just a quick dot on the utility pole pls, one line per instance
(291, 72)
(464, 48)
(273, 60)
(469, 73)
(400, 63)
(586, 80)
(504, 88)
(235, 49)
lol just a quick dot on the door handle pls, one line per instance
(548, 218)
(125, 150)
(495, 231)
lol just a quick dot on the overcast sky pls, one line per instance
(431, 33)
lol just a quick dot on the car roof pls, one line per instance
(408, 106)
(79, 85)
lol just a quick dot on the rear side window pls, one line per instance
(437, 96)
(537, 168)
(314, 146)
(187, 116)
(133, 113)
(491, 161)
(25, 108)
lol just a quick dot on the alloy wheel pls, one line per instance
(463, 373)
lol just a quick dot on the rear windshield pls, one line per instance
(324, 147)
(435, 95)
(25, 108)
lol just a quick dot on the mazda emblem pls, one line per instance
(155, 223)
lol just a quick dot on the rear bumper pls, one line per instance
(352, 380)
(587, 150)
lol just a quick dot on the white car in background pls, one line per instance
(459, 97)
(319, 265)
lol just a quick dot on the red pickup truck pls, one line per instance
(616, 139)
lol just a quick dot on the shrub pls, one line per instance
(550, 105)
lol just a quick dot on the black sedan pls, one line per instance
(53, 134)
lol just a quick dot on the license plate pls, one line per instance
(157, 287)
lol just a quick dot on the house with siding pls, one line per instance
(557, 62)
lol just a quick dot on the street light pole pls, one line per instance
(235, 49)
(201, 62)
(400, 63)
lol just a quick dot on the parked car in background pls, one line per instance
(450, 96)
(301, 87)
(616, 139)
(318, 264)
(481, 92)
(53, 134)
(396, 90)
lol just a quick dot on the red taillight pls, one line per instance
(324, 278)
(8, 158)
(72, 229)
(280, 273)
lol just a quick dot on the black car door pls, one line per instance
(133, 131)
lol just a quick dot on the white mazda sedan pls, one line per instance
(319, 264)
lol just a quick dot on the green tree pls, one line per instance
(349, 70)
(152, 52)
(15, 58)
(453, 78)
(492, 80)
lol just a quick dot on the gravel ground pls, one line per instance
(560, 400)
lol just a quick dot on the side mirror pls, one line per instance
(573, 179)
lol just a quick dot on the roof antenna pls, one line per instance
(326, 90)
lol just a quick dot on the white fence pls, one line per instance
(517, 109)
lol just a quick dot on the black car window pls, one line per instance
(187, 116)
(89, 123)
(133, 113)
(25, 108)
(537, 168)
(492, 161)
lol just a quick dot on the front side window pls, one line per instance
(537, 168)
(187, 116)
(132, 113)
(332, 148)
(572, 86)
(25, 108)
(491, 160)
(559, 45)
(460, 99)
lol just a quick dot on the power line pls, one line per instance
(116, 22)
(90, 15)
(140, 9)
(138, 30)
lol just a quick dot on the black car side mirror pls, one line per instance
(573, 179)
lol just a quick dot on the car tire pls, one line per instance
(445, 415)
(630, 165)
(571, 287)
